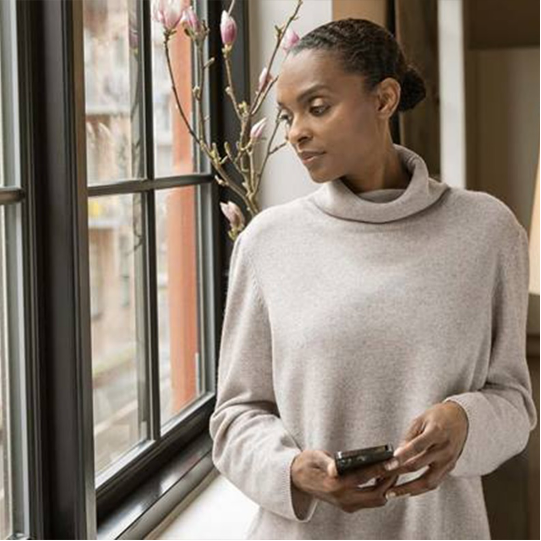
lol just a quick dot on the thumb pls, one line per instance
(329, 464)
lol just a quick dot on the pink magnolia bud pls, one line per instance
(158, 8)
(167, 13)
(172, 16)
(233, 213)
(190, 20)
(228, 28)
(257, 129)
(264, 79)
(289, 39)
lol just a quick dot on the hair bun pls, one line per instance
(413, 90)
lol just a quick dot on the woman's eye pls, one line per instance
(318, 111)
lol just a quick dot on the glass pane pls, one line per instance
(5, 526)
(15, 474)
(113, 90)
(181, 376)
(9, 84)
(173, 144)
(117, 326)
(2, 92)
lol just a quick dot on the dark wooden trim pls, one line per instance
(60, 176)
(159, 495)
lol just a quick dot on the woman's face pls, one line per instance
(341, 119)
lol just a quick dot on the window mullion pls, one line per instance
(149, 221)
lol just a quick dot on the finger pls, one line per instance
(381, 485)
(331, 469)
(378, 490)
(415, 447)
(437, 454)
(328, 464)
(364, 474)
(387, 483)
(430, 480)
(373, 471)
(414, 430)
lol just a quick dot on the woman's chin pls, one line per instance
(321, 177)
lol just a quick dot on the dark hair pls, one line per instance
(368, 49)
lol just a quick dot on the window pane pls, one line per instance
(173, 144)
(181, 376)
(5, 526)
(15, 475)
(2, 79)
(117, 315)
(113, 90)
(9, 122)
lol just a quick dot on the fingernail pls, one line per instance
(392, 464)
(391, 495)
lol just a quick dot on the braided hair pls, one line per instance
(367, 49)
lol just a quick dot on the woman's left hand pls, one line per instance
(434, 439)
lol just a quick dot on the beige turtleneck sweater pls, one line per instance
(347, 316)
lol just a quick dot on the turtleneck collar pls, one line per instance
(337, 199)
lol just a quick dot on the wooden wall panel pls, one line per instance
(373, 10)
(417, 33)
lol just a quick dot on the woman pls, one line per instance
(385, 307)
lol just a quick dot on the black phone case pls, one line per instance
(350, 460)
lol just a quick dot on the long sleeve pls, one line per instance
(502, 413)
(251, 446)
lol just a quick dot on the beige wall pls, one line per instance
(285, 177)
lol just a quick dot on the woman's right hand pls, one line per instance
(314, 472)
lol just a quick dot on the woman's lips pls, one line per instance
(312, 159)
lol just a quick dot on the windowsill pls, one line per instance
(156, 498)
(232, 513)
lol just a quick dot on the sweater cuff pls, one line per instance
(302, 504)
(468, 451)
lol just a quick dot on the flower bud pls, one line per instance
(228, 28)
(289, 39)
(167, 13)
(233, 213)
(190, 20)
(264, 79)
(257, 129)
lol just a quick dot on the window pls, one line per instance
(5, 359)
(122, 174)
(111, 295)
(118, 343)
(179, 346)
(16, 278)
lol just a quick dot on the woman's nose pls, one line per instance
(297, 132)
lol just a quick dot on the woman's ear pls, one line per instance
(388, 96)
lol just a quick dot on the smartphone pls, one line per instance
(350, 460)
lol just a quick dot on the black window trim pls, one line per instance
(64, 502)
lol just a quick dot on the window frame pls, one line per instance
(65, 502)
(18, 197)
